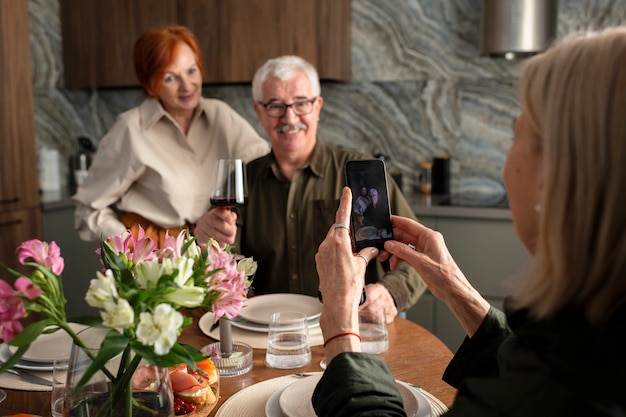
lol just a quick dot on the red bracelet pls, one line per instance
(341, 335)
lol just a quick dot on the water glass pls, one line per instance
(59, 376)
(288, 344)
(373, 330)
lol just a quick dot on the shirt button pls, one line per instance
(294, 277)
(292, 216)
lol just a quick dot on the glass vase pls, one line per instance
(146, 390)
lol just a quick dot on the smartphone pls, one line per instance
(371, 215)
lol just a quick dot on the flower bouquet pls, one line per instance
(140, 293)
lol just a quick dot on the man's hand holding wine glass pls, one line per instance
(230, 190)
(231, 186)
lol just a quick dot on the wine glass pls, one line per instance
(231, 187)
(231, 190)
(3, 395)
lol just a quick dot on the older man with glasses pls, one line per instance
(294, 193)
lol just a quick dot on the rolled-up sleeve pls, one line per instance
(111, 174)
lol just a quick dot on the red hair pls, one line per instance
(155, 50)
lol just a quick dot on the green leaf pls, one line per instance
(30, 333)
(12, 272)
(113, 344)
(91, 321)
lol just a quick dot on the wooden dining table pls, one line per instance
(415, 356)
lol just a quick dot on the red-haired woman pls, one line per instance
(155, 167)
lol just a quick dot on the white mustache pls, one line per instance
(288, 128)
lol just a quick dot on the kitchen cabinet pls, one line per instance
(235, 37)
(20, 217)
(488, 253)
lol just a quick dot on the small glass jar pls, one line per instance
(426, 177)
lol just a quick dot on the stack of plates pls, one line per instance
(43, 351)
(256, 312)
(252, 324)
(294, 400)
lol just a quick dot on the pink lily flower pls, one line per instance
(220, 259)
(119, 243)
(143, 247)
(173, 246)
(227, 304)
(11, 311)
(136, 250)
(27, 288)
(46, 255)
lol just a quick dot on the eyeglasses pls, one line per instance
(299, 107)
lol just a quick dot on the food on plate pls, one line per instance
(194, 388)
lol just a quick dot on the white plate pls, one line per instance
(272, 408)
(367, 233)
(47, 347)
(264, 328)
(5, 354)
(259, 309)
(295, 399)
(206, 323)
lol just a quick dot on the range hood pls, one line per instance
(517, 28)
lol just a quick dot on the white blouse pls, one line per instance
(146, 165)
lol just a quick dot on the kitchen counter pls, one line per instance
(462, 206)
(56, 200)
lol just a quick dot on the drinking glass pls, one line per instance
(94, 396)
(288, 344)
(3, 395)
(59, 376)
(231, 187)
(373, 330)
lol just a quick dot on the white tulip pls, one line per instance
(102, 291)
(160, 329)
(118, 316)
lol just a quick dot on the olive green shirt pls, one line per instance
(285, 222)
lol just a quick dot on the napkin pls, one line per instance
(15, 382)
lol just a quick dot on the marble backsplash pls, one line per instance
(419, 88)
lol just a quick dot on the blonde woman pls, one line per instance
(558, 349)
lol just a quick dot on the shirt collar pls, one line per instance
(152, 111)
(315, 164)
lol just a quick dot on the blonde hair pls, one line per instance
(574, 95)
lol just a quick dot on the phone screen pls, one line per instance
(371, 215)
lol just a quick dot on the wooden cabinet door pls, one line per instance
(19, 180)
(235, 36)
(16, 227)
(20, 217)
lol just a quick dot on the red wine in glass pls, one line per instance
(228, 202)
(231, 187)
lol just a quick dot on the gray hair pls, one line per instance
(284, 68)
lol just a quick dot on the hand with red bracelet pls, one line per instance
(341, 275)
